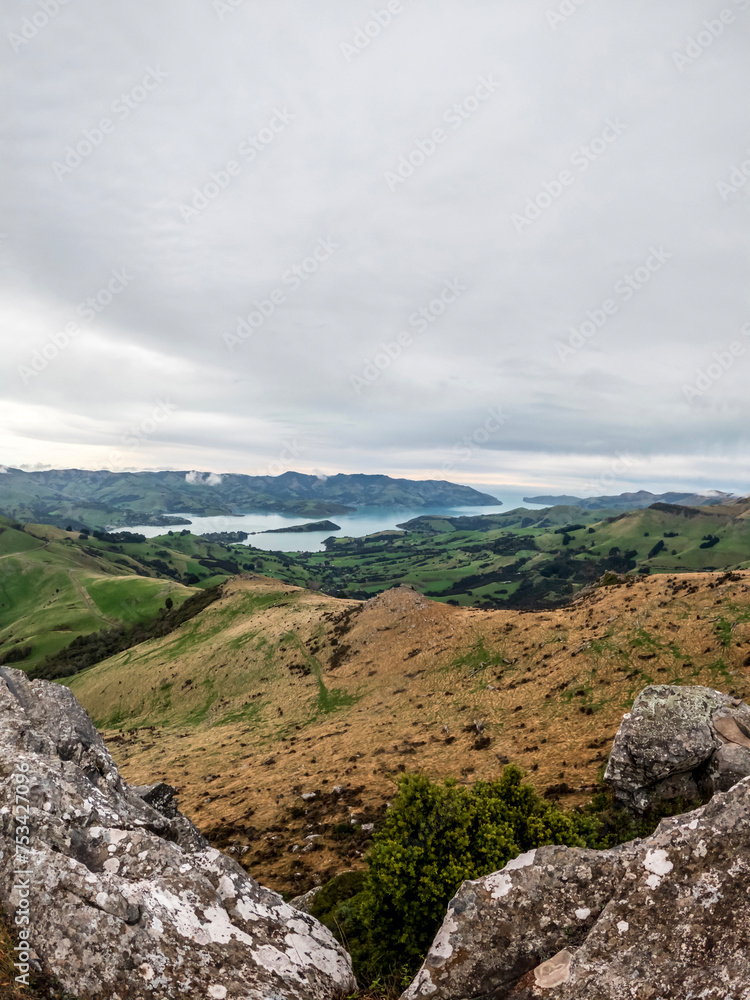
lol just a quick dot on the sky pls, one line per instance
(490, 241)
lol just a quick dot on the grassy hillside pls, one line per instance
(523, 558)
(55, 587)
(275, 692)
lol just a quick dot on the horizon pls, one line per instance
(513, 489)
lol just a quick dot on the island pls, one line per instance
(311, 526)
(225, 537)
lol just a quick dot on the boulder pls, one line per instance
(665, 746)
(539, 904)
(126, 899)
(305, 901)
(663, 917)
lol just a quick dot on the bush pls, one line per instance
(16, 654)
(434, 837)
(604, 823)
(709, 541)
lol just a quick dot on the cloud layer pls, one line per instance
(498, 242)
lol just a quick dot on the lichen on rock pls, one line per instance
(672, 744)
(128, 901)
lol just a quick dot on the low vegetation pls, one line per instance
(435, 836)
(521, 559)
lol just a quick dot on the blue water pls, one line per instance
(364, 521)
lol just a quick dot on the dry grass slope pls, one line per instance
(276, 692)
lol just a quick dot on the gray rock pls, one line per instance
(729, 765)
(161, 796)
(504, 925)
(127, 901)
(668, 919)
(665, 745)
(304, 901)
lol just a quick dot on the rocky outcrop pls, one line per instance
(665, 917)
(540, 903)
(679, 742)
(127, 901)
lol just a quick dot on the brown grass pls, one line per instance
(441, 690)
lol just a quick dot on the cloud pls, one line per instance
(203, 479)
(284, 139)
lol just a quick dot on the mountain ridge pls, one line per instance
(640, 498)
(275, 692)
(99, 498)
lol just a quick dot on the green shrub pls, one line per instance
(433, 838)
(436, 836)
(604, 823)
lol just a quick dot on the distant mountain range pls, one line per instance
(632, 501)
(99, 499)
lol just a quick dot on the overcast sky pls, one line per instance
(515, 169)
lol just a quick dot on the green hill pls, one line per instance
(79, 497)
(524, 558)
(56, 586)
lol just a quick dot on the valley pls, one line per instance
(283, 716)
(523, 558)
(284, 695)
(58, 585)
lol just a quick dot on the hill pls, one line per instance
(58, 586)
(54, 588)
(282, 715)
(98, 499)
(523, 558)
(630, 501)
